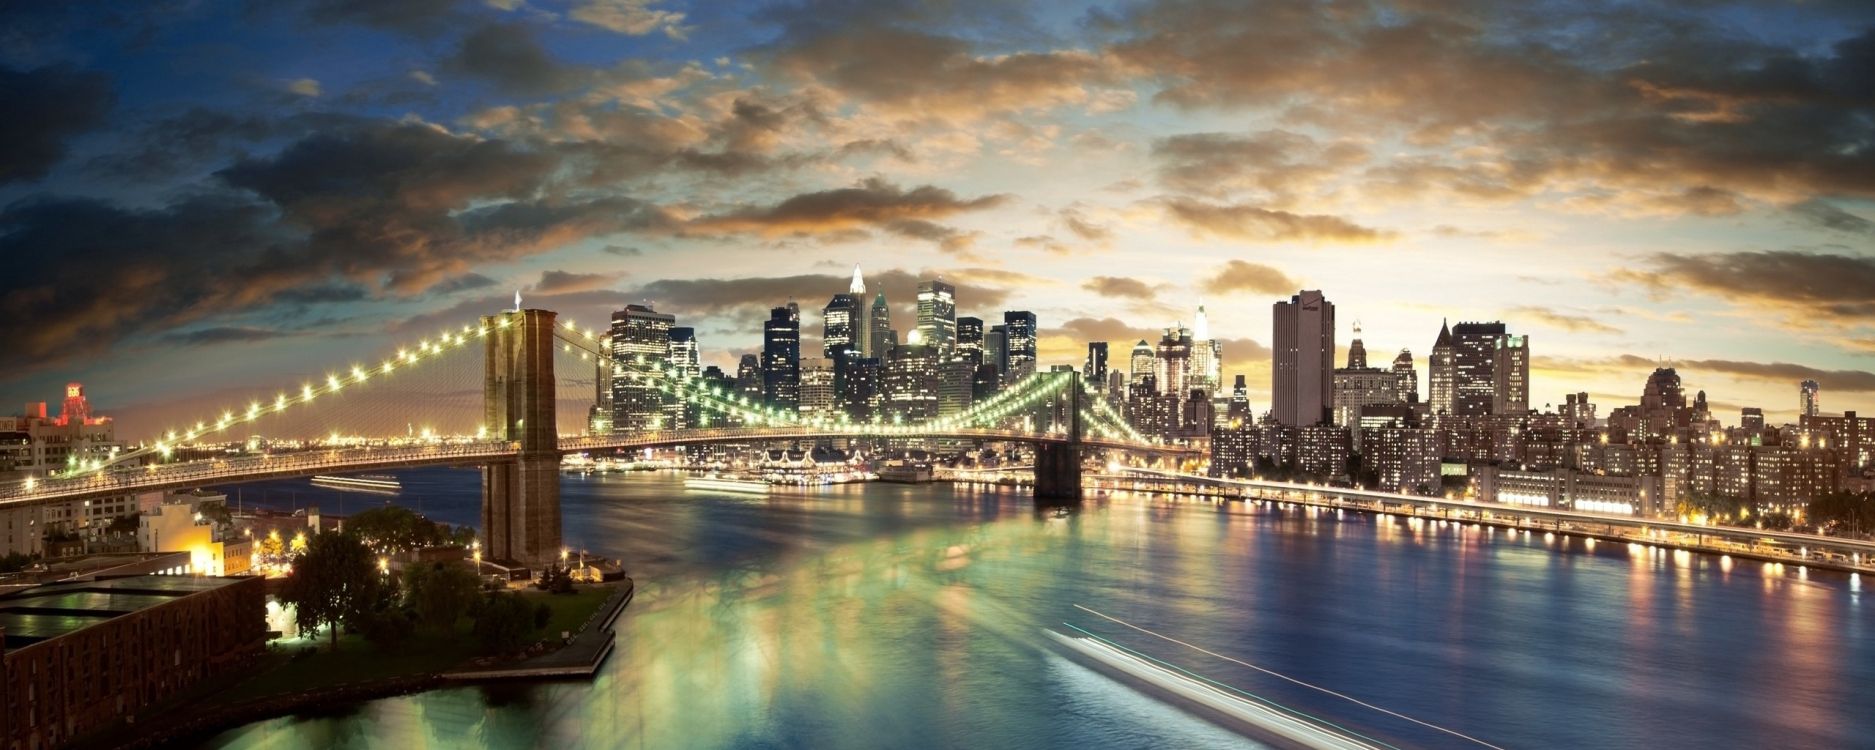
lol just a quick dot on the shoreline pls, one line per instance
(580, 658)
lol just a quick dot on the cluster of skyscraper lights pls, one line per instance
(684, 385)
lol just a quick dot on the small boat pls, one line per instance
(381, 484)
(727, 484)
(905, 472)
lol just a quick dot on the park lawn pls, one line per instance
(570, 611)
(356, 660)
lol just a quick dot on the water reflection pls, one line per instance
(911, 616)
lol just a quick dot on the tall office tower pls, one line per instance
(816, 387)
(1474, 356)
(1442, 374)
(1303, 359)
(1239, 410)
(683, 357)
(880, 337)
(1094, 374)
(970, 340)
(861, 320)
(984, 382)
(1663, 392)
(640, 336)
(1358, 387)
(749, 378)
(996, 349)
(1511, 392)
(956, 386)
(937, 317)
(1019, 330)
(1807, 403)
(1207, 356)
(781, 359)
(1172, 363)
(1578, 410)
(838, 330)
(859, 388)
(1142, 362)
(909, 390)
(1405, 378)
(1116, 385)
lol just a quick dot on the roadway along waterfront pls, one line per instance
(915, 616)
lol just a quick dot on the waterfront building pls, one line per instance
(1322, 450)
(1403, 459)
(781, 358)
(640, 336)
(117, 647)
(1302, 357)
(937, 317)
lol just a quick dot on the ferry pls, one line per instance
(379, 484)
(727, 484)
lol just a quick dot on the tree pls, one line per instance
(334, 581)
(394, 528)
(556, 579)
(125, 525)
(504, 623)
(1845, 512)
(441, 593)
(216, 511)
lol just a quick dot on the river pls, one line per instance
(913, 616)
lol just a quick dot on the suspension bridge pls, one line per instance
(525, 405)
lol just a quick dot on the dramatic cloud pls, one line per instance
(1245, 222)
(508, 56)
(563, 282)
(1822, 214)
(226, 335)
(44, 109)
(1276, 165)
(631, 17)
(1559, 320)
(872, 204)
(1692, 371)
(1841, 287)
(1114, 286)
(1244, 276)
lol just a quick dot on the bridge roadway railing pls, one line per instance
(665, 438)
(124, 480)
(1828, 551)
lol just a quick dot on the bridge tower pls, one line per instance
(1058, 465)
(521, 500)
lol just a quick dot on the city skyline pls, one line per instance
(1110, 177)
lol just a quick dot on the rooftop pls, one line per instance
(45, 612)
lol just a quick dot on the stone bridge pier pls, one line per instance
(521, 500)
(1058, 465)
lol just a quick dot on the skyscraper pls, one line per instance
(937, 316)
(970, 340)
(859, 388)
(1511, 394)
(1442, 373)
(1474, 356)
(1207, 357)
(1357, 352)
(1141, 363)
(996, 349)
(1303, 359)
(684, 357)
(1807, 403)
(909, 389)
(817, 395)
(781, 358)
(1094, 375)
(1172, 363)
(1406, 378)
(861, 321)
(1019, 330)
(1239, 410)
(749, 378)
(879, 323)
(839, 321)
(1358, 388)
(640, 336)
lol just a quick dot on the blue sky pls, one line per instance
(199, 196)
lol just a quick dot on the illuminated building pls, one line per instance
(1807, 399)
(1303, 354)
(1207, 357)
(1442, 374)
(970, 341)
(1474, 363)
(684, 357)
(1141, 363)
(1322, 450)
(937, 316)
(880, 338)
(909, 390)
(1511, 374)
(817, 388)
(639, 335)
(1239, 410)
(781, 358)
(1019, 328)
(1172, 362)
(839, 325)
(1405, 378)
(1094, 373)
